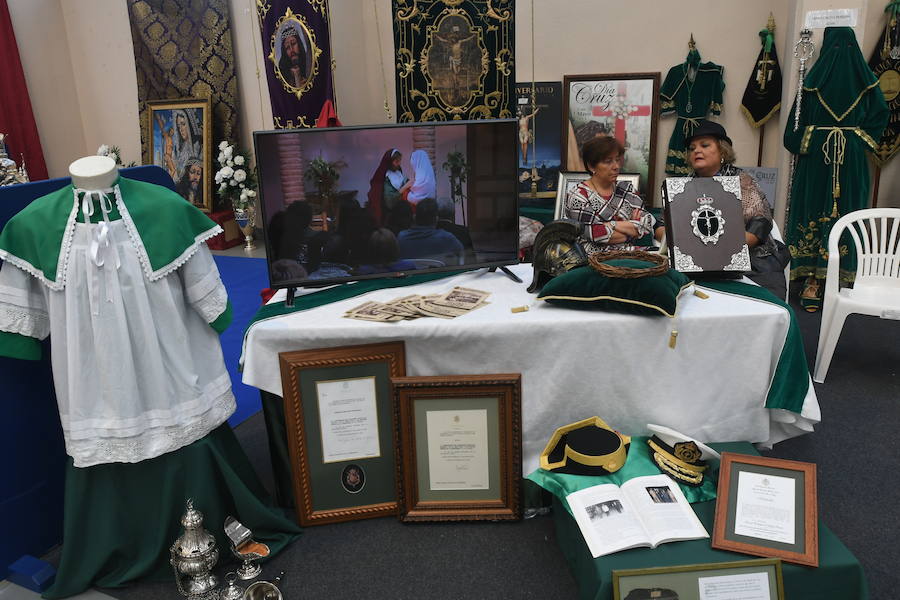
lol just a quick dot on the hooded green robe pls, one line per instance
(843, 114)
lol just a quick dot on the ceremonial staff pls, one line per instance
(803, 51)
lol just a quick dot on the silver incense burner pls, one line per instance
(245, 549)
(194, 554)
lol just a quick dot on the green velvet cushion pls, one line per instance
(586, 288)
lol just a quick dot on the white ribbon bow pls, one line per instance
(100, 249)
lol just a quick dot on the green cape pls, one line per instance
(166, 230)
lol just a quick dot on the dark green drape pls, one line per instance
(121, 519)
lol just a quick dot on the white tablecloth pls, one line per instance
(576, 364)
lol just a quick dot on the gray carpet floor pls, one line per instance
(855, 449)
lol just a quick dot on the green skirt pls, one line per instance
(120, 519)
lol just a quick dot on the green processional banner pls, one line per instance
(454, 59)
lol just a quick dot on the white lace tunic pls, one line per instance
(137, 368)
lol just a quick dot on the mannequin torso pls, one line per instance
(94, 172)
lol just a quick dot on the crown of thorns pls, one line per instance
(288, 32)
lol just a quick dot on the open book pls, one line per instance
(644, 511)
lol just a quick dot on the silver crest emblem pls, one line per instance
(707, 221)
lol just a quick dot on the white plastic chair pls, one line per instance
(876, 289)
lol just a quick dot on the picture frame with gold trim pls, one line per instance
(341, 442)
(180, 142)
(684, 582)
(459, 447)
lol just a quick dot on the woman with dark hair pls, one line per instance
(611, 214)
(386, 186)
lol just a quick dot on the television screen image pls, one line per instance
(346, 203)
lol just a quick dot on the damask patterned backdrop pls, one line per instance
(184, 50)
(454, 59)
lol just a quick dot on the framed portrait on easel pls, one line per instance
(623, 105)
(181, 143)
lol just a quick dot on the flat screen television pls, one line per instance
(347, 203)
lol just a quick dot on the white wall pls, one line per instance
(84, 91)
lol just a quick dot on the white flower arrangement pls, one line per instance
(114, 153)
(236, 181)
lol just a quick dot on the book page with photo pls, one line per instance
(644, 511)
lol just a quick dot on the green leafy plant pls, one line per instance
(324, 174)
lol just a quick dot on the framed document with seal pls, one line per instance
(459, 447)
(767, 507)
(739, 580)
(339, 421)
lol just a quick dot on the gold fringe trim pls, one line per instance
(762, 121)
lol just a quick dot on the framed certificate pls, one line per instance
(767, 507)
(339, 421)
(739, 580)
(459, 447)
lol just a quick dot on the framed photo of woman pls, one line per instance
(623, 105)
(181, 143)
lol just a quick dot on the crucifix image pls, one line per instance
(621, 110)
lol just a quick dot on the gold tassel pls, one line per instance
(700, 294)
(672, 338)
(834, 210)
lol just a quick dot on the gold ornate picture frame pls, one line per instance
(338, 412)
(294, 53)
(761, 576)
(181, 143)
(459, 453)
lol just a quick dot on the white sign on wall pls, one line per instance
(838, 17)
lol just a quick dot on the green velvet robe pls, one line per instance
(691, 102)
(842, 108)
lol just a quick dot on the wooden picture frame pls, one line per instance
(181, 143)
(788, 482)
(342, 472)
(684, 581)
(476, 474)
(625, 105)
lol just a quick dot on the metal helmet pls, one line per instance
(556, 251)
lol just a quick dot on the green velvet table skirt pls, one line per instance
(120, 519)
(839, 574)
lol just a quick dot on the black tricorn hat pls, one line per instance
(710, 128)
(588, 447)
(556, 251)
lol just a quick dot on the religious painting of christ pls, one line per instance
(452, 60)
(622, 105)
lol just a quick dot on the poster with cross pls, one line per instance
(621, 105)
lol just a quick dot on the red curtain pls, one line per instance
(16, 118)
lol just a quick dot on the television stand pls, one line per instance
(511, 275)
(289, 301)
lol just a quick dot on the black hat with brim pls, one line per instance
(710, 128)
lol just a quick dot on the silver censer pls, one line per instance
(194, 554)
